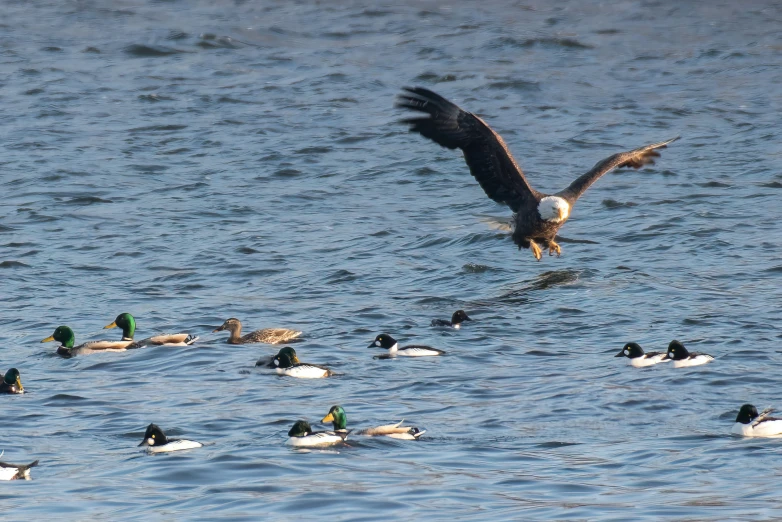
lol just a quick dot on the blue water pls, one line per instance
(193, 161)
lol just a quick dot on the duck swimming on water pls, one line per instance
(265, 335)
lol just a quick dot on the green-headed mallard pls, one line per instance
(287, 363)
(128, 324)
(339, 420)
(301, 435)
(267, 335)
(64, 335)
(12, 382)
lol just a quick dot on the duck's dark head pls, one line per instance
(290, 353)
(631, 350)
(746, 414)
(337, 417)
(154, 436)
(128, 324)
(677, 351)
(300, 429)
(13, 378)
(63, 335)
(230, 325)
(458, 317)
(282, 360)
(382, 341)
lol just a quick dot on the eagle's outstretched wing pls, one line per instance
(635, 158)
(489, 159)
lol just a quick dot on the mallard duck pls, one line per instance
(266, 335)
(16, 471)
(64, 335)
(750, 423)
(301, 435)
(287, 363)
(12, 382)
(157, 442)
(414, 350)
(682, 358)
(128, 324)
(638, 358)
(339, 420)
(458, 317)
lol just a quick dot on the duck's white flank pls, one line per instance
(174, 445)
(323, 438)
(696, 360)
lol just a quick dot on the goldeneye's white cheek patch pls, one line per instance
(151, 441)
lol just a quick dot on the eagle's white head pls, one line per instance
(553, 209)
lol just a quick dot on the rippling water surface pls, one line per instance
(193, 161)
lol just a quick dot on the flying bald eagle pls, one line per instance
(537, 216)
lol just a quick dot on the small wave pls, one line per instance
(519, 85)
(13, 264)
(612, 203)
(472, 268)
(141, 50)
(566, 43)
(86, 200)
(435, 78)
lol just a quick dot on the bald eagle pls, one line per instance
(537, 216)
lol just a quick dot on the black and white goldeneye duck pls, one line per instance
(128, 324)
(458, 317)
(301, 435)
(64, 335)
(750, 423)
(157, 442)
(414, 350)
(267, 361)
(16, 471)
(265, 335)
(681, 357)
(638, 358)
(12, 382)
(287, 363)
(339, 420)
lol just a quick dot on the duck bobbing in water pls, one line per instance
(339, 420)
(750, 423)
(639, 359)
(414, 350)
(537, 216)
(287, 363)
(128, 324)
(265, 335)
(682, 358)
(157, 442)
(301, 435)
(64, 335)
(458, 317)
(16, 471)
(12, 382)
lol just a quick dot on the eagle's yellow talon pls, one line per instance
(535, 250)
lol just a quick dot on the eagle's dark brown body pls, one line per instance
(538, 216)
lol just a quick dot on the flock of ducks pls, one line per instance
(749, 422)
(537, 217)
(285, 362)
